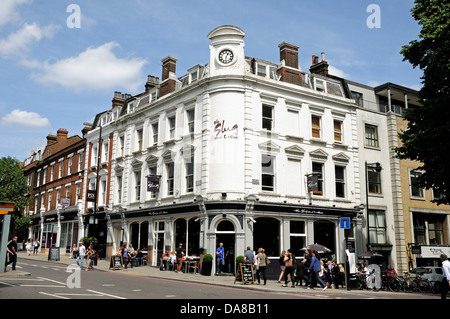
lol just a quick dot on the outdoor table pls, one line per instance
(188, 262)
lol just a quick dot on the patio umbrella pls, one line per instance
(321, 249)
(370, 255)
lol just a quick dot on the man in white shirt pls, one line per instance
(446, 272)
(80, 258)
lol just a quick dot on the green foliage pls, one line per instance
(427, 137)
(88, 240)
(13, 185)
(207, 258)
(240, 259)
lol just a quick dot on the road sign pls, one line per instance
(6, 208)
(345, 223)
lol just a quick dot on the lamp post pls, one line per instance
(96, 184)
(378, 169)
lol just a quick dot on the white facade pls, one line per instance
(232, 146)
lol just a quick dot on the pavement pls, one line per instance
(155, 272)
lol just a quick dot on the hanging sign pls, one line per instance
(313, 183)
(153, 183)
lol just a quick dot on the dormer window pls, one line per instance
(130, 107)
(194, 76)
(319, 85)
(261, 70)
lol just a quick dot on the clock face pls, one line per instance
(226, 56)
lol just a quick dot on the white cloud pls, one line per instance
(337, 72)
(94, 69)
(8, 11)
(25, 118)
(19, 41)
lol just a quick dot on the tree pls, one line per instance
(427, 136)
(14, 188)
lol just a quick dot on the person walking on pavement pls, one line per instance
(11, 249)
(315, 269)
(446, 272)
(289, 262)
(81, 252)
(261, 265)
(36, 247)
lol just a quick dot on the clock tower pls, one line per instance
(226, 51)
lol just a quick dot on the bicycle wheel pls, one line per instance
(394, 285)
(436, 288)
(423, 285)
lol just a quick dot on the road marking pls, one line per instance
(58, 282)
(103, 294)
(42, 286)
(6, 284)
(108, 285)
(53, 295)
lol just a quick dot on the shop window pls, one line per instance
(298, 236)
(267, 235)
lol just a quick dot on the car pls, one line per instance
(433, 274)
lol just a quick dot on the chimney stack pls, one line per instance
(61, 134)
(289, 69)
(320, 68)
(152, 82)
(119, 99)
(168, 79)
(51, 139)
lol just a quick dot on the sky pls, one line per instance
(61, 61)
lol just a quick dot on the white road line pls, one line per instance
(101, 293)
(6, 284)
(42, 286)
(58, 282)
(52, 295)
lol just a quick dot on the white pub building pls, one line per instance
(228, 152)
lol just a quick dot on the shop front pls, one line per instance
(57, 228)
(202, 225)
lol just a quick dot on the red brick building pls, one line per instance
(56, 177)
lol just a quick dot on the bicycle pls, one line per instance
(423, 284)
(364, 279)
(408, 283)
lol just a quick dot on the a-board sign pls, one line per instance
(244, 273)
(116, 262)
(53, 253)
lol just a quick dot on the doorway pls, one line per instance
(228, 241)
(226, 235)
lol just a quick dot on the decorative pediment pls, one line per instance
(118, 169)
(168, 155)
(269, 147)
(136, 163)
(319, 154)
(295, 152)
(341, 157)
(151, 159)
(187, 151)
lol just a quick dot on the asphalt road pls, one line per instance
(56, 281)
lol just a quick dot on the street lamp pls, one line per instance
(378, 169)
(96, 181)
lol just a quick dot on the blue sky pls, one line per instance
(53, 76)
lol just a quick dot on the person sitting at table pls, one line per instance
(165, 259)
(139, 257)
(172, 260)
